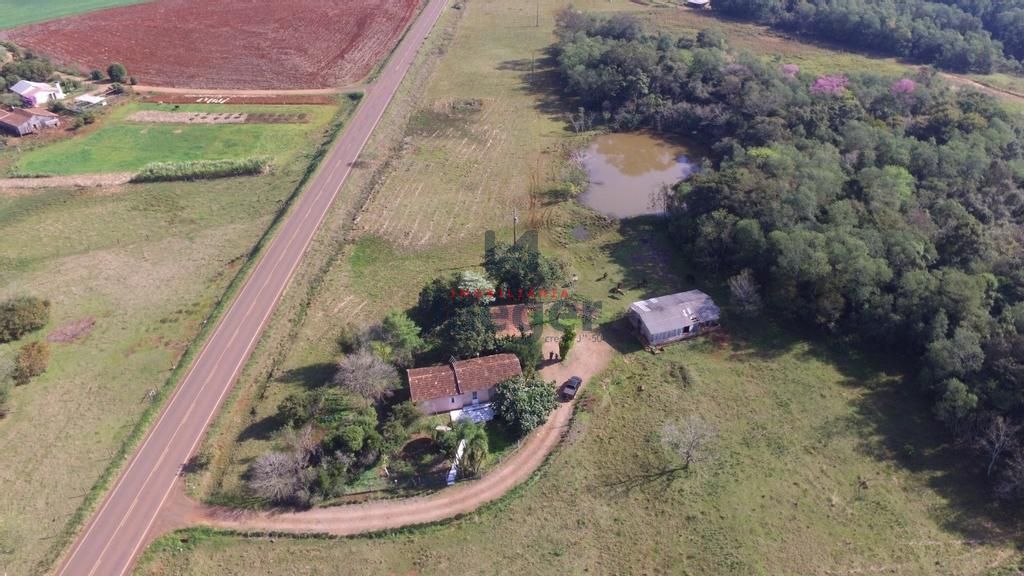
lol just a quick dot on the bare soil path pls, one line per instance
(588, 358)
(17, 186)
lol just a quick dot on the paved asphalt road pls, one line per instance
(110, 543)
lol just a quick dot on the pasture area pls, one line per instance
(145, 265)
(821, 466)
(20, 12)
(263, 44)
(477, 130)
(118, 143)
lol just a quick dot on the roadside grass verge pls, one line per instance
(153, 269)
(117, 144)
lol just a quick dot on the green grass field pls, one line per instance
(812, 474)
(801, 425)
(17, 12)
(147, 263)
(117, 144)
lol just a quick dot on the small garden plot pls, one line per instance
(163, 117)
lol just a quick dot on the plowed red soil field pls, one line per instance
(260, 44)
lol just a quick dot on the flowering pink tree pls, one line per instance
(790, 70)
(831, 85)
(902, 87)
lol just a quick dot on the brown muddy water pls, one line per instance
(628, 172)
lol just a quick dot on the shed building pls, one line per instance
(674, 317)
(38, 93)
(22, 122)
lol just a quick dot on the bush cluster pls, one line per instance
(201, 169)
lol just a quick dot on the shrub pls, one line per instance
(117, 72)
(365, 374)
(566, 342)
(200, 169)
(32, 360)
(526, 348)
(19, 316)
(282, 478)
(96, 75)
(5, 391)
(524, 403)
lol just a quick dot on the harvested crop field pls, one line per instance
(263, 44)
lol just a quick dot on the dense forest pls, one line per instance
(887, 211)
(958, 35)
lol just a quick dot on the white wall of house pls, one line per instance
(449, 403)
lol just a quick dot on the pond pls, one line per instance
(627, 173)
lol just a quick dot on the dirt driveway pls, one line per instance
(588, 358)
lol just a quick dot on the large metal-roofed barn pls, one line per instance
(674, 317)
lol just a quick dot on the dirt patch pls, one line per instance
(19, 186)
(231, 43)
(72, 331)
(159, 117)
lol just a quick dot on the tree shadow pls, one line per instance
(262, 429)
(539, 79)
(420, 465)
(311, 376)
(893, 422)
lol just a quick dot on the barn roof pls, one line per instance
(674, 311)
(15, 117)
(25, 88)
(462, 376)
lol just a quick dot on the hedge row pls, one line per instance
(201, 169)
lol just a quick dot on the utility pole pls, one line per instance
(537, 25)
(515, 220)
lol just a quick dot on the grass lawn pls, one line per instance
(147, 263)
(801, 425)
(117, 144)
(18, 12)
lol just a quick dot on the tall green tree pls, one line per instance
(469, 332)
(524, 403)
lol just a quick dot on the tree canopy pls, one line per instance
(525, 402)
(958, 35)
(885, 210)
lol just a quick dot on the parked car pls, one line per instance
(571, 386)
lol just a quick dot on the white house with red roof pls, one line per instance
(38, 93)
(437, 389)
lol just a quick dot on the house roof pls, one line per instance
(41, 112)
(26, 88)
(674, 311)
(431, 382)
(90, 99)
(462, 376)
(485, 372)
(508, 318)
(14, 117)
